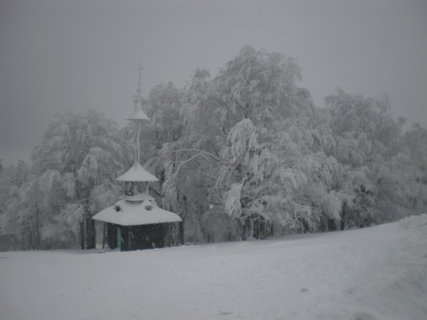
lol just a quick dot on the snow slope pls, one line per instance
(373, 273)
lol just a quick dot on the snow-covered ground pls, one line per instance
(373, 273)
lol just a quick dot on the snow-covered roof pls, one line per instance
(138, 114)
(137, 174)
(126, 213)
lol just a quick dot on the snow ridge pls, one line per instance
(376, 273)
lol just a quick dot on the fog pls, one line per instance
(58, 56)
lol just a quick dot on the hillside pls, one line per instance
(373, 273)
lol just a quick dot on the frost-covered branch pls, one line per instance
(200, 153)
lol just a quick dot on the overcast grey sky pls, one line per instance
(61, 56)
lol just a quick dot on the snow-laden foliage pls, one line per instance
(241, 154)
(241, 141)
(233, 197)
(72, 177)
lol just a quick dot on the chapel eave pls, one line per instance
(125, 213)
(137, 173)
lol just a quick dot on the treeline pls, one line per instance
(244, 154)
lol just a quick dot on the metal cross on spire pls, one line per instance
(139, 84)
(138, 115)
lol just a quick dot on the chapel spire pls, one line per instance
(138, 115)
(136, 221)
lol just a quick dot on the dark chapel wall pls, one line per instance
(138, 237)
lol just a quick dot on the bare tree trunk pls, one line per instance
(90, 233)
(83, 234)
(343, 215)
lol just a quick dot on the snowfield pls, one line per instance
(374, 273)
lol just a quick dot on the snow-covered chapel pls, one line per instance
(136, 221)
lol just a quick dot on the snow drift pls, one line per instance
(373, 273)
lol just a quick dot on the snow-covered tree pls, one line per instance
(78, 155)
(242, 154)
